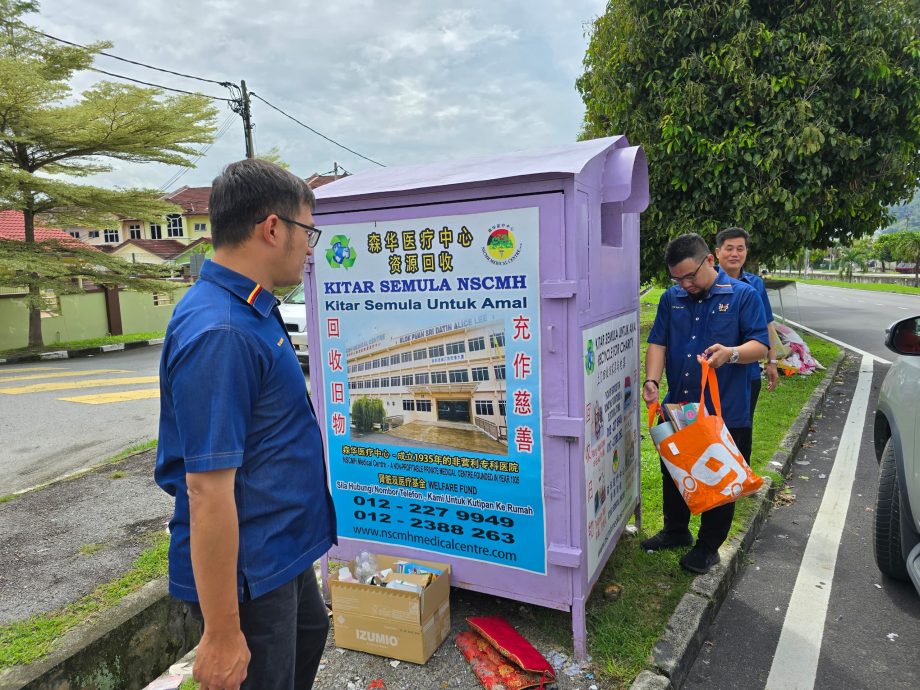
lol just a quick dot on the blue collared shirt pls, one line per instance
(756, 282)
(730, 314)
(232, 395)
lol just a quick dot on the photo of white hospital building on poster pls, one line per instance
(437, 387)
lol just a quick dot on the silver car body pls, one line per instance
(897, 421)
(294, 313)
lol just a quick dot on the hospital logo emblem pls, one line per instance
(501, 247)
(589, 358)
(340, 253)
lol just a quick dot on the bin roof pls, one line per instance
(569, 159)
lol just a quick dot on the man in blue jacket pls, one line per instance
(732, 246)
(706, 314)
(239, 445)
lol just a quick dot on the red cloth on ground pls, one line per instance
(494, 671)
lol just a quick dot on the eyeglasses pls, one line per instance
(690, 276)
(312, 231)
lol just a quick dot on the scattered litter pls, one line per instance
(892, 636)
(664, 586)
(613, 592)
(631, 530)
(394, 663)
(782, 536)
(757, 567)
(572, 670)
(165, 683)
(877, 585)
(340, 650)
(776, 608)
(557, 659)
(803, 462)
(822, 476)
(804, 477)
(777, 464)
(377, 684)
(592, 687)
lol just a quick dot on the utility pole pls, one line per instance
(239, 103)
(247, 122)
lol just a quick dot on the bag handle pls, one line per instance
(709, 379)
(653, 410)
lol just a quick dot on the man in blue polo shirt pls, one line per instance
(239, 445)
(706, 314)
(732, 252)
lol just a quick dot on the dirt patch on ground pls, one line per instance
(60, 542)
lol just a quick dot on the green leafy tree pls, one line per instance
(907, 246)
(798, 121)
(884, 248)
(50, 140)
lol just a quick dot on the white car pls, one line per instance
(897, 446)
(294, 313)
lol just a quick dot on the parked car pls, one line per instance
(897, 447)
(294, 313)
(904, 267)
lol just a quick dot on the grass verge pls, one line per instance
(621, 633)
(80, 344)
(872, 287)
(25, 641)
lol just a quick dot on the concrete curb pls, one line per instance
(81, 352)
(123, 647)
(676, 650)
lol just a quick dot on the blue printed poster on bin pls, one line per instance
(429, 341)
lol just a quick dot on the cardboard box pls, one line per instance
(389, 622)
(392, 638)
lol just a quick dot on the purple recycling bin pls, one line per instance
(473, 333)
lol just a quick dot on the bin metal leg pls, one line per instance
(579, 629)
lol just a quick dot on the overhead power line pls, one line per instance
(319, 134)
(239, 104)
(160, 86)
(132, 62)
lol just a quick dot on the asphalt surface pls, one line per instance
(856, 317)
(59, 543)
(872, 628)
(45, 437)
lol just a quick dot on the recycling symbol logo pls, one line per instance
(589, 358)
(340, 252)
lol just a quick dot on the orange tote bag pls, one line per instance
(702, 458)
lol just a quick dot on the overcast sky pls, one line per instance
(400, 82)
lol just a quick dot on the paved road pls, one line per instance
(60, 416)
(869, 636)
(856, 317)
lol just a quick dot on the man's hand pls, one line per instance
(221, 660)
(649, 393)
(772, 376)
(717, 355)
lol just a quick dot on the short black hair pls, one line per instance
(733, 233)
(689, 246)
(246, 192)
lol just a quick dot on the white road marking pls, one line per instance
(876, 358)
(795, 664)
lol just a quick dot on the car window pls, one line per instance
(296, 296)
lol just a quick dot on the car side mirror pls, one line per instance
(903, 337)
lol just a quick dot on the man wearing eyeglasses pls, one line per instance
(239, 444)
(705, 314)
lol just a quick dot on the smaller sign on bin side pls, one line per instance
(429, 334)
(612, 394)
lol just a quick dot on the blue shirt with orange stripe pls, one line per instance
(730, 313)
(232, 395)
(756, 282)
